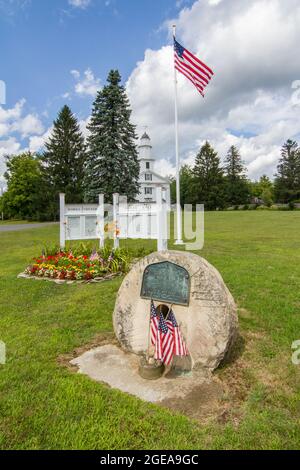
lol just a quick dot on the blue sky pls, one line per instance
(60, 51)
(42, 41)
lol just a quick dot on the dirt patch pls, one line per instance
(202, 403)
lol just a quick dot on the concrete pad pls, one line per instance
(119, 369)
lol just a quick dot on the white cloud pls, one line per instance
(88, 85)
(214, 2)
(12, 113)
(7, 146)
(252, 47)
(15, 121)
(83, 123)
(12, 120)
(28, 125)
(75, 74)
(79, 3)
(37, 142)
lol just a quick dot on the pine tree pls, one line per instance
(208, 179)
(237, 188)
(287, 179)
(112, 165)
(64, 157)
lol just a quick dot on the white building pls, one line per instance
(149, 180)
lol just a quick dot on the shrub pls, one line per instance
(263, 208)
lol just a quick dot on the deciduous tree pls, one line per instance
(26, 195)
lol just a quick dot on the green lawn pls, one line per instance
(44, 404)
(14, 222)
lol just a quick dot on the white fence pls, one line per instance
(121, 220)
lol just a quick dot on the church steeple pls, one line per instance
(145, 147)
(145, 153)
(149, 180)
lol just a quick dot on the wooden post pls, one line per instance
(100, 220)
(116, 220)
(62, 226)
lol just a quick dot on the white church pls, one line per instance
(149, 180)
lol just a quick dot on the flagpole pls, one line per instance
(178, 241)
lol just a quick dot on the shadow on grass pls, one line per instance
(235, 351)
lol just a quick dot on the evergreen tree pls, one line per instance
(112, 165)
(287, 179)
(64, 158)
(237, 188)
(208, 179)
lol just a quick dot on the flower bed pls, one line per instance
(69, 266)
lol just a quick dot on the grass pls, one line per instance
(44, 405)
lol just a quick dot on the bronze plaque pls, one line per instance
(166, 282)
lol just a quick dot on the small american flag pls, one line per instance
(164, 346)
(191, 67)
(180, 348)
(153, 323)
(94, 256)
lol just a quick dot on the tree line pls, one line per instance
(107, 162)
(220, 186)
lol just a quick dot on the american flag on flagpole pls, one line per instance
(191, 67)
(164, 346)
(180, 348)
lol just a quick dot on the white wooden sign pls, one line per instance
(133, 220)
(81, 221)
